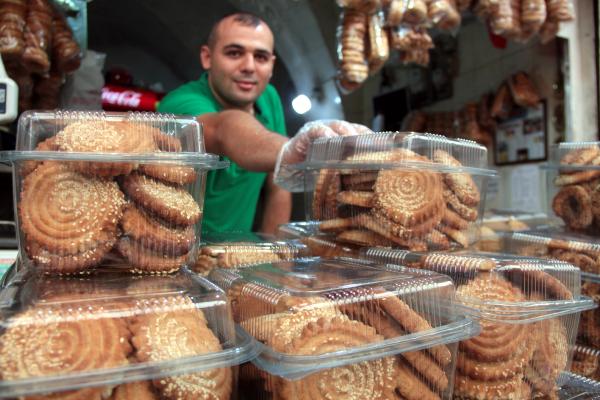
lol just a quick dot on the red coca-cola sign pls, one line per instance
(121, 98)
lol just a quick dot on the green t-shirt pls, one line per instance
(232, 193)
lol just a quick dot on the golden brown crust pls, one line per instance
(166, 142)
(145, 260)
(356, 198)
(170, 203)
(154, 234)
(363, 238)
(468, 213)
(86, 344)
(374, 379)
(509, 389)
(81, 394)
(460, 183)
(175, 174)
(163, 336)
(410, 387)
(108, 137)
(581, 156)
(455, 221)
(66, 212)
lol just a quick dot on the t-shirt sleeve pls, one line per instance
(185, 103)
(278, 116)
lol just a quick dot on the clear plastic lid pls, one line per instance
(68, 333)
(526, 289)
(318, 244)
(573, 156)
(232, 250)
(108, 137)
(580, 250)
(316, 314)
(119, 188)
(407, 190)
(397, 149)
(588, 332)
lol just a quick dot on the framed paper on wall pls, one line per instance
(522, 138)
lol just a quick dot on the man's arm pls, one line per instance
(277, 208)
(239, 136)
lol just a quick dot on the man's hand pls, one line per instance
(294, 151)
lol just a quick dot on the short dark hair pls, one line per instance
(243, 18)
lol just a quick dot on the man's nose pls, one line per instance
(248, 64)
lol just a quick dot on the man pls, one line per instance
(238, 59)
(243, 121)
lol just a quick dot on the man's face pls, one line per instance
(240, 64)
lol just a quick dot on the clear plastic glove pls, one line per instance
(294, 151)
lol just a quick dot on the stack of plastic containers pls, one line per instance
(528, 310)
(340, 328)
(108, 208)
(404, 190)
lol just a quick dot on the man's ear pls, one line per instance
(205, 57)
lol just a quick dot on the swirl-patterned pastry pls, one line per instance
(107, 137)
(164, 336)
(175, 174)
(154, 234)
(44, 343)
(170, 203)
(409, 197)
(374, 379)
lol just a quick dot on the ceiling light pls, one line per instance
(301, 104)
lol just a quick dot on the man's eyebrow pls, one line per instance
(236, 46)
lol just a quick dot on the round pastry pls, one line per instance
(461, 183)
(43, 342)
(410, 387)
(514, 388)
(170, 203)
(374, 379)
(453, 220)
(164, 336)
(468, 213)
(581, 156)
(143, 260)
(81, 394)
(574, 205)
(156, 235)
(46, 145)
(409, 197)
(166, 142)
(104, 137)
(176, 174)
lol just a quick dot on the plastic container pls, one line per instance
(317, 243)
(127, 187)
(576, 387)
(586, 362)
(232, 250)
(528, 310)
(339, 328)
(574, 185)
(407, 190)
(100, 331)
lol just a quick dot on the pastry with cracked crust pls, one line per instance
(169, 203)
(141, 390)
(170, 335)
(144, 260)
(34, 346)
(65, 214)
(375, 379)
(104, 137)
(156, 235)
(461, 183)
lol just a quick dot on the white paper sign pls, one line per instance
(525, 188)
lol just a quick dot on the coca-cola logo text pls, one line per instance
(127, 98)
